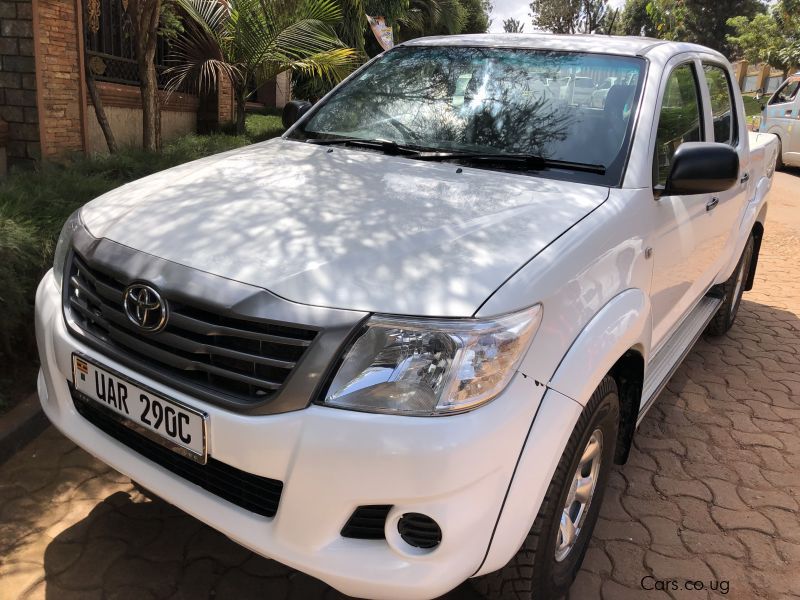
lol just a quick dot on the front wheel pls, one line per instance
(551, 556)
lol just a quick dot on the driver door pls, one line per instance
(682, 262)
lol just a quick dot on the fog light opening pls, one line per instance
(419, 531)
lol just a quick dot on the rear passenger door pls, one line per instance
(725, 127)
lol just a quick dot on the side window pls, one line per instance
(785, 93)
(719, 90)
(679, 120)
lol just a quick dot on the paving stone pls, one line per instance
(696, 515)
(631, 531)
(612, 590)
(730, 520)
(713, 543)
(627, 560)
(776, 498)
(597, 561)
(724, 494)
(586, 585)
(199, 578)
(677, 487)
(160, 578)
(89, 569)
(760, 549)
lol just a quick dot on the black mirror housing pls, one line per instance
(702, 168)
(293, 110)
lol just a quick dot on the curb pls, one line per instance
(20, 425)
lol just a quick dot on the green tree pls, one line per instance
(250, 41)
(773, 38)
(707, 22)
(635, 20)
(145, 20)
(511, 25)
(432, 17)
(478, 12)
(668, 19)
(569, 16)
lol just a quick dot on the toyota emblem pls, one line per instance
(145, 307)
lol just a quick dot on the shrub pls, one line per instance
(35, 204)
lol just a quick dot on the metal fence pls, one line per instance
(109, 44)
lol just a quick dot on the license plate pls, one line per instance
(164, 421)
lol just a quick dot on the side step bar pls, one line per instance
(664, 364)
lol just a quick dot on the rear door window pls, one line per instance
(722, 112)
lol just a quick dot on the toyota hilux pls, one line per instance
(404, 344)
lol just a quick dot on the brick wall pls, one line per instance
(59, 76)
(18, 81)
(226, 107)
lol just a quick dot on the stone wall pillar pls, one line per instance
(226, 106)
(740, 72)
(59, 76)
(18, 82)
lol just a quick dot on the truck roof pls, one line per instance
(605, 44)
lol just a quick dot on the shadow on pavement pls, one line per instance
(137, 546)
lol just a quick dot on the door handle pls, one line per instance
(745, 178)
(712, 204)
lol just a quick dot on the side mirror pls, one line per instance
(293, 110)
(702, 168)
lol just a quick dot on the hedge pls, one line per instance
(34, 205)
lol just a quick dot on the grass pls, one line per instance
(752, 107)
(34, 205)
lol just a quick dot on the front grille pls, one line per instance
(367, 522)
(259, 495)
(245, 360)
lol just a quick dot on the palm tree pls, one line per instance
(251, 41)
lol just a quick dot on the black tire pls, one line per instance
(534, 573)
(732, 291)
(779, 166)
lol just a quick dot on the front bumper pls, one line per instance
(455, 469)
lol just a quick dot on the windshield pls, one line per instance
(492, 101)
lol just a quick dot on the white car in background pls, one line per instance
(781, 116)
(403, 345)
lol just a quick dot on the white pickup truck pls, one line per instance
(404, 344)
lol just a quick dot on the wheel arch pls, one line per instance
(618, 332)
(628, 372)
(757, 233)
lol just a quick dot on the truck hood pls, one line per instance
(344, 228)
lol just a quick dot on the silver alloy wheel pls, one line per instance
(580, 496)
(738, 287)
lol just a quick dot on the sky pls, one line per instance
(519, 9)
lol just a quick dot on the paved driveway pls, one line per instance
(710, 493)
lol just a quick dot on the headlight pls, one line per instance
(431, 366)
(64, 242)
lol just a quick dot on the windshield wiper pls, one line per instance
(532, 161)
(387, 146)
